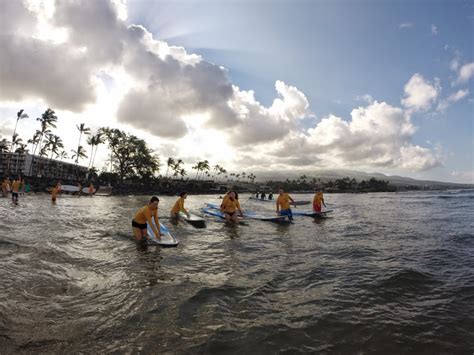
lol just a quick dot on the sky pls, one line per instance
(374, 86)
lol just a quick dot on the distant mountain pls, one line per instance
(334, 174)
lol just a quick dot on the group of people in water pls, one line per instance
(15, 187)
(18, 186)
(230, 207)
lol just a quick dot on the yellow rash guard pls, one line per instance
(284, 201)
(230, 205)
(178, 206)
(144, 215)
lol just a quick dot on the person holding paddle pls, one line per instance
(143, 217)
(283, 204)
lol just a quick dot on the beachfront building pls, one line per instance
(34, 165)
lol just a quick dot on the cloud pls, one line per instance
(466, 72)
(378, 135)
(420, 94)
(458, 95)
(365, 98)
(88, 60)
(258, 124)
(434, 29)
(406, 25)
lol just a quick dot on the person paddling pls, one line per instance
(283, 204)
(144, 216)
(229, 207)
(179, 206)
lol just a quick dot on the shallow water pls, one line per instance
(387, 273)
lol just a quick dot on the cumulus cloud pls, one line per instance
(258, 124)
(466, 72)
(378, 135)
(74, 52)
(420, 94)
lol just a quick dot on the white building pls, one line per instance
(29, 165)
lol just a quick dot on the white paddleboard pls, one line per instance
(166, 238)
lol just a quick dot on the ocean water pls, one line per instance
(388, 273)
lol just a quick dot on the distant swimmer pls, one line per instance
(283, 204)
(318, 199)
(230, 206)
(262, 196)
(5, 187)
(179, 206)
(144, 216)
(54, 192)
(16, 184)
(270, 196)
(91, 189)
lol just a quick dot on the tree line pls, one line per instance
(129, 156)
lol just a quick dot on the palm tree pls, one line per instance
(79, 153)
(48, 119)
(177, 167)
(205, 166)
(94, 141)
(63, 155)
(170, 162)
(35, 139)
(19, 116)
(4, 143)
(82, 129)
(54, 143)
(20, 150)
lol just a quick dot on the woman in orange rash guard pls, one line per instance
(144, 216)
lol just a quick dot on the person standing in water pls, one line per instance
(318, 199)
(179, 206)
(54, 193)
(91, 189)
(230, 206)
(15, 190)
(283, 204)
(143, 217)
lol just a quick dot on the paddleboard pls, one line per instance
(216, 213)
(85, 190)
(312, 213)
(260, 217)
(69, 188)
(297, 203)
(167, 239)
(194, 220)
(213, 206)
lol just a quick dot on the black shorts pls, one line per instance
(230, 213)
(15, 194)
(138, 225)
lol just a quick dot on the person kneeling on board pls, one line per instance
(179, 206)
(142, 217)
(229, 207)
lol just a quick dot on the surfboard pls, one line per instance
(85, 190)
(167, 239)
(213, 206)
(69, 188)
(312, 213)
(194, 220)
